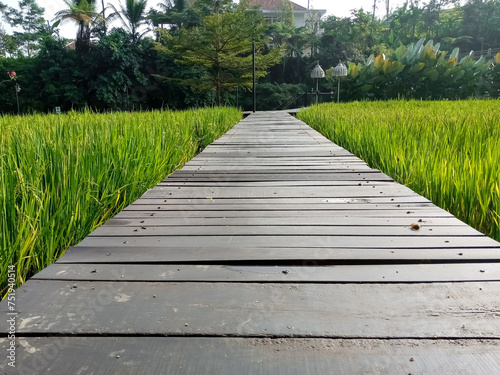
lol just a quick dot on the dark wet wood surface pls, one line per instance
(255, 356)
(274, 251)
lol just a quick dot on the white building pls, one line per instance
(271, 10)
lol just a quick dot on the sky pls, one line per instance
(338, 8)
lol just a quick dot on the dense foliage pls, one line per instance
(62, 176)
(445, 151)
(420, 71)
(119, 60)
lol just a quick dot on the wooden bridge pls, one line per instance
(274, 251)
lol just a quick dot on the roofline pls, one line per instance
(268, 11)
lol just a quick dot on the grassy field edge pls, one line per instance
(63, 176)
(447, 151)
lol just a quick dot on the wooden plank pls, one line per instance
(277, 144)
(373, 273)
(290, 220)
(327, 163)
(144, 230)
(255, 356)
(276, 169)
(392, 190)
(361, 177)
(303, 166)
(278, 152)
(401, 201)
(284, 310)
(271, 168)
(216, 179)
(301, 256)
(300, 159)
(239, 184)
(403, 212)
(350, 207)
(374, 242)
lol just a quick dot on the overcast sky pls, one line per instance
(338, 8)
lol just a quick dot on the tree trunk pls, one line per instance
(218, 88)
(104, 18)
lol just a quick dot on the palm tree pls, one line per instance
(84, 14)
(132, 15)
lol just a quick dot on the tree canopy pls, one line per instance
(222, 44)
(182, 53)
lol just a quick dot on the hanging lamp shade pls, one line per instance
(340, 70)
(317, 72)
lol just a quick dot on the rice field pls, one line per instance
(63, 176)
(446, 151)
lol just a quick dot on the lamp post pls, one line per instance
(317, 73)
(253, 78)
(18, 88)
(339, 71)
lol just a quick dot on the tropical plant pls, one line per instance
(172, 13)
(417, 71)
(133, 17)
(85, 15)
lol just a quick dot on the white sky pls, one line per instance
(338, 8)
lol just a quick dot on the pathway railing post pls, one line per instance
(253, 84)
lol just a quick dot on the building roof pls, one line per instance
(71, 45)
(272, 4)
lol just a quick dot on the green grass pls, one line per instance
(448, 152)
(63, 176)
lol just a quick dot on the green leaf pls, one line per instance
(454, 53)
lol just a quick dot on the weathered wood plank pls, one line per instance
(252, 356)
(392, 190)
(216, 179)
(375, 242)
(373, 273)
(264, 206)
(403, 212)
(307, 256)
(239, 184)
(416, 200)
(277, 178)
(302, 166)
(285, 310)
(290, 220)
(144, 230)
(207, 168)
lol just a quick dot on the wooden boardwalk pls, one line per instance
(274, 251)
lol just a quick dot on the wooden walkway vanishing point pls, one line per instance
(274, 251)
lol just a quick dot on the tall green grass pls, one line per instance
(62, 176)
(448, 152)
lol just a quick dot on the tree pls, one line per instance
(58, 79)
(171, 13)
(84, 14)
(403, 23)
(285, 13)
(8, 45)
(116, 65)
(223, 46)
(481, 23)
(29, 17)
(132, 15)
(346, 38)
